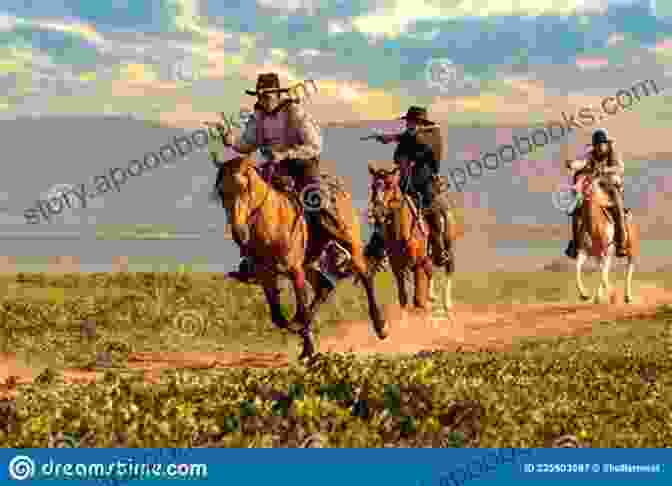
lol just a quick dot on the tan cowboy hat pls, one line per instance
(419, 114)
(267, 83)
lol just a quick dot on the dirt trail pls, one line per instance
(492, 327)
(484, 326)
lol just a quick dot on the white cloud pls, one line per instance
(395, 18)
(291, 5)
(7, 23)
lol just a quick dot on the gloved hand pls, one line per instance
(278, 155)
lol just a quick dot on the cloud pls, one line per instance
(663, 46)
(307, 6)
(7, 23)
(584, 63)
(395, 18)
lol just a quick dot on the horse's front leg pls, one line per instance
(580, 260)
(628, 280)
(322, 293)
(605, 287)
(301, 294)
(422, 278)
(400, 277)
(272, 292)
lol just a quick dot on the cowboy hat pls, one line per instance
(419, 114)
(267, 83)
(601, 136)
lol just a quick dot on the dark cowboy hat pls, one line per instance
(601, 136)
(267, 83)
(418, 114)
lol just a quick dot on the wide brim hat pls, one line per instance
(418, 114)
(267, 83)
(600, 136)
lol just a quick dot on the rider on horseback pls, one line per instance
(416, 145)
(286, 135)
(605, 162)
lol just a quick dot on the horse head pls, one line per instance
(234, 179)
(239, 189)
(384, 190)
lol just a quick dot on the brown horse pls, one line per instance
(405, 233)
(596, 239)
(270, 225)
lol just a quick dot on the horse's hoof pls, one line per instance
(307, 352)
(584, 298)
(628, 300)
(381, 332)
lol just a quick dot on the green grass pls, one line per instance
(590, 387)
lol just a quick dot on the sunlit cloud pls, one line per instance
(591, 63)
(395, 19)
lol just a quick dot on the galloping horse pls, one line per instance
(270, 225)
(596, 238)
(407, 239)
(405, 235)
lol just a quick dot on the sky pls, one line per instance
(183, 61)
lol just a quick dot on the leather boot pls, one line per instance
(376, 246)
(438, 250)
(246, 270)
(572, 248)
(618, 213)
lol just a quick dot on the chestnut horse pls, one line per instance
(269, 225)
(596, 239)
(406, 235)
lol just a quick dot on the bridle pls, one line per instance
(382, 212)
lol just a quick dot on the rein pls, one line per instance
(406, 199)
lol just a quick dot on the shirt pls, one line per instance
(420, 153)
(617, 163)
(292, 126)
